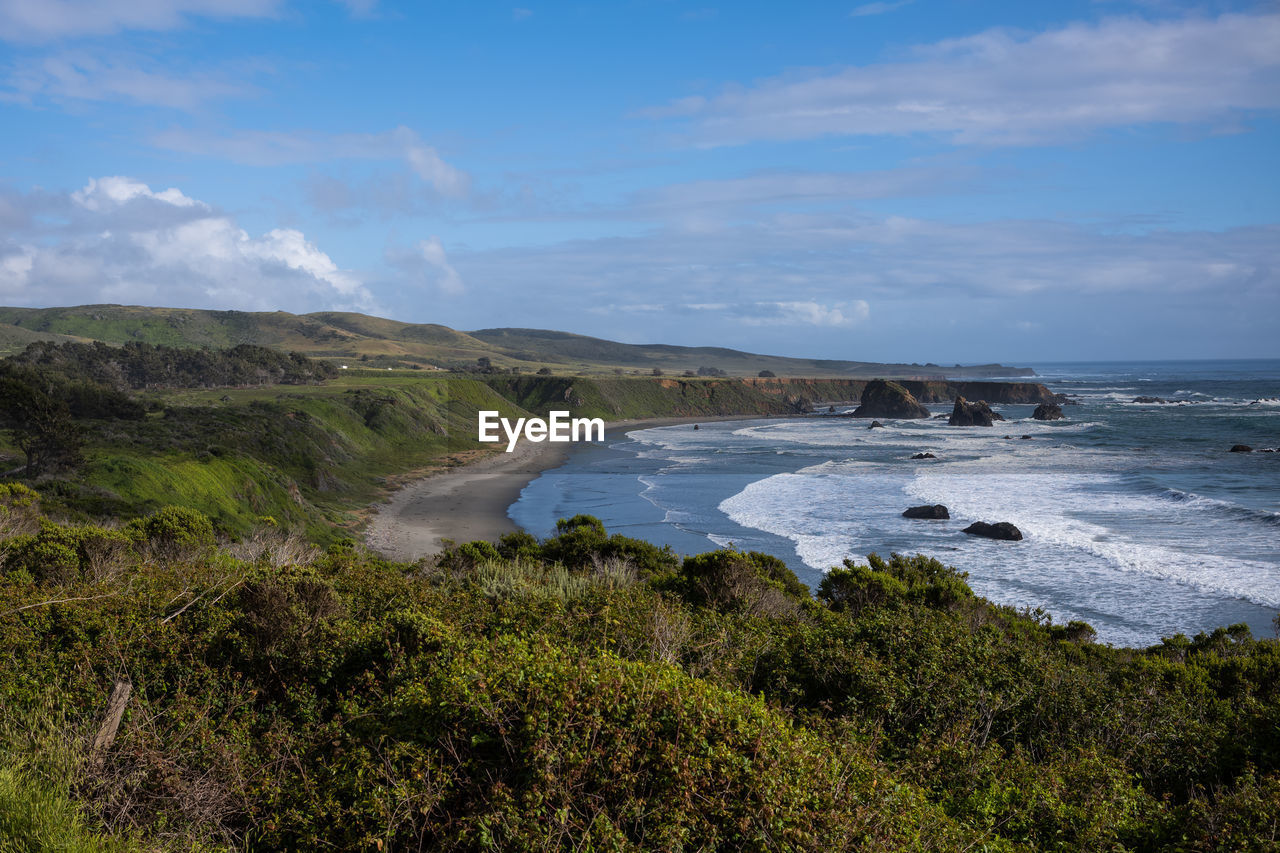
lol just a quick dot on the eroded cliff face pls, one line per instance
(645, 397)
(926, 391)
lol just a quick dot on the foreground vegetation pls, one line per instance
(592, 692)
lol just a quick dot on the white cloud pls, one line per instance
(802, 313)
(270, 148)
(1001, 87)
(426, 263)
(868, 9)
(793, 186)
(119, 78)
(432, 253)
(44, 20)
(360, 8)
(815, 314)
(106, 193)
(117, 240)
(81, 76)
(805, 283)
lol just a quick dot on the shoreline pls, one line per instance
(470, 501)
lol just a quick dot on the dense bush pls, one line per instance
(535, 695)
(175, 533)
(141, 365)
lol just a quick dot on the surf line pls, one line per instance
(560, 426)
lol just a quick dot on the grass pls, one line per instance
(389, 343)
(314, 457)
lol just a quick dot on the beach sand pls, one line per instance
(470, 501)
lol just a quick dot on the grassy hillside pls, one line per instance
(13, 339)
(315, 456)
(375, 341)
(581, 350)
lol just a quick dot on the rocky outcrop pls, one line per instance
(876, 425)
(1048, 412)
(1002, 530)
(936, 511)
(996, 393)
(965, 413)
(1241, 448)
(923, 456)
(882, 399)
(1151, 400)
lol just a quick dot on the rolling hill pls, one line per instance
(380, 342)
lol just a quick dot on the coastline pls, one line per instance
(470, 501)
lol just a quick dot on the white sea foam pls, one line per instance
(1065, 510)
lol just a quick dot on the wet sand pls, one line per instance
(470, 501)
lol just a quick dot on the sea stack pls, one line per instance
(1048, 412)
(937, 511)
(1000, 530)
(965, 413)
(881, 399)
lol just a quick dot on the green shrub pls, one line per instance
(19, 509)
(750, 582)
(175, 533)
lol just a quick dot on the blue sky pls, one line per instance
(920, 181)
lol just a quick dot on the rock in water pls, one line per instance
(1241, 448)
(924, 456)
(876, 425)
(1150, 400)
(1000, 530)
(935, 511)
(1048, 412)
(973, 414)
(881, 399)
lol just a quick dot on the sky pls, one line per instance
(904, 180)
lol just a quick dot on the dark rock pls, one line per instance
(1150, 400)
(876, 425)
(1048, 412)
(1026, 438)
(1008, 436)
(941, 417)
(1001, 530)
(973, 414)
(931, 512)
(924, 456)
(695, 426)
(1241, 448)
(881, 399)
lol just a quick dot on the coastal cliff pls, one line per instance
(641, 397)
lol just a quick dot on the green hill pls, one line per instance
(379, 342)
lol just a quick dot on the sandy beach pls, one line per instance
(470, 501)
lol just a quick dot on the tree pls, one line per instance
(42, 426)
(657, 371)
(766, 374)
(544, 371)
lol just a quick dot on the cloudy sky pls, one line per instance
(913, 179)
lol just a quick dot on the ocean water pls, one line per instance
(1136, 517)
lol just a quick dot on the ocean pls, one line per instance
(1137, 519)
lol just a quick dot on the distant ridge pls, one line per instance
(380, 342)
